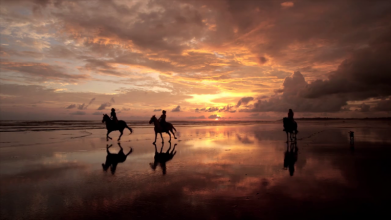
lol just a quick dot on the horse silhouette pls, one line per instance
(162, 158)
(290, 127)
(114, 126)
(112, 160)
(290, 157)
(158, 129)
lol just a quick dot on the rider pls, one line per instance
(288, 121)
(162, 120)
(113, 116)
(290, 114)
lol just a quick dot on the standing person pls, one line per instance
(162, 120)
(113, 115)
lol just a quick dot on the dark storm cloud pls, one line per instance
(291, 99)
(366, 74)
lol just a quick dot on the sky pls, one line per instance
(198, 60)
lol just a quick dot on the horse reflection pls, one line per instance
(290, 157)
(162, 158)
(112, 160)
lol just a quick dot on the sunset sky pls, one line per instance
(226, 59)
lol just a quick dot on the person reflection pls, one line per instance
(112, 160)
(162, 158)
(290, 157)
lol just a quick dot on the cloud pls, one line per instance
(292, 98)
(91, 101)
(214, 116)
(81, 107)
(228, 108)
(125, 109)
(244, 101)
(196, 117)
(104, 105)
(40, 70)
(112, 100)
(196, 47)
(78, 113)
(157, 110)
(71, 106)
(176, 109)
(287, 4)
(383, 105)
(97, 113)
(364, 108)
(262, 60)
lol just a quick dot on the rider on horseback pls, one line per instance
(162, 120)
(113, 116)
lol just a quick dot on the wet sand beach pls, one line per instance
(235, 171)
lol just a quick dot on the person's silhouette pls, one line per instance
(113, 116)
(112, 160)
(162, 158)
(162, 120)
(290, 114)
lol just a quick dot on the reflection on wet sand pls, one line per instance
(162, 158)
(224, 172)
(290, 157)
(112, 160)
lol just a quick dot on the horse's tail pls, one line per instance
(130, 129)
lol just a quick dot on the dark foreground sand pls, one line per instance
(218, 172)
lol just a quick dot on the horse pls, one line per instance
(291, 128)
(113, 126)
(162, 158)
(112, 160)
(158, 128)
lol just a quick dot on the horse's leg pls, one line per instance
(122, 131)
(286, 137)
(170, 136)
(107, 135)
(161, 135)
(155, 137)
(173, 133)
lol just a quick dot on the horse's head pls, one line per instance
(105, 118)
(153, 118)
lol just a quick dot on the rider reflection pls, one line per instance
(112, 160)
(290, 157)
(162, 158)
